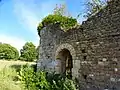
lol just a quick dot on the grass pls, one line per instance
(7, 79)
(8, 74)
(5, 63)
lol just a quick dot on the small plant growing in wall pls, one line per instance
(94, 6)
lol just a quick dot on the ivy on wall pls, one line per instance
(65, 22)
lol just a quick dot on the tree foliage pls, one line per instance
(65, 22)
(28, 52)
(94, 6)
(61, 10)
(8, 52)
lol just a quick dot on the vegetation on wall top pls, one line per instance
(65, 22)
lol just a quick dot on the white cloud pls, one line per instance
(14, 41)
(30, 13)
(26, 16)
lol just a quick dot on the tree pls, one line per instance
(94, 6)
(8, 52)
(61, 10)
(28, 53)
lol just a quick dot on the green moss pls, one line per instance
(65, 22)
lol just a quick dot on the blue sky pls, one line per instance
(19, 18)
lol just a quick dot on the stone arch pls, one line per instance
(66, 46)
(69, 48)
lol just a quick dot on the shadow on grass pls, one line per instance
(18, 67)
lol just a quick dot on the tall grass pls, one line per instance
(8, 79)
(8, 74)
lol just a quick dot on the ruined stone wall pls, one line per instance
(102, 34)
(48, 37)
(95, 49)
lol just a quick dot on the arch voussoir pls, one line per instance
(66, 46)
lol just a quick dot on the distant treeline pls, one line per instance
(28, 53)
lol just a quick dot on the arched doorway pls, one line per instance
(66, 62)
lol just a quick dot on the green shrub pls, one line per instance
(60, 82)
(33, 80)
(8, 52)
(41, 80)
(69, 85)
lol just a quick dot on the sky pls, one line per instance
(19, 18)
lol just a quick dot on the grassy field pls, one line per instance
(6, 64)
(8, 73)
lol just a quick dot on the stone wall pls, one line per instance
(95, 49)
